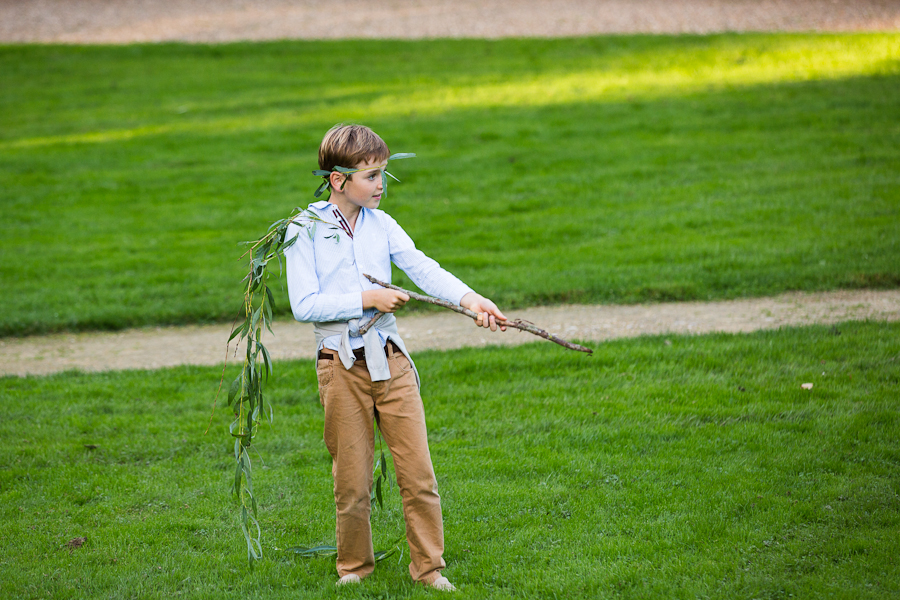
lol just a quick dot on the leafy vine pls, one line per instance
(245, 395)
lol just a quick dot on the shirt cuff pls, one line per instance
(462, 292)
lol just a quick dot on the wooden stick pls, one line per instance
(515, 324)
(368, 324)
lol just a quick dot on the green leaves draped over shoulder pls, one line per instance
(245, 393)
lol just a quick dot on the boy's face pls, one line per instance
(365, 187)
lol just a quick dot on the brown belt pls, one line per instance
(360, 353)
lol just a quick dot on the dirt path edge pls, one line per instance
(154, 348)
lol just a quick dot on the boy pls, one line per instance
(370, 377)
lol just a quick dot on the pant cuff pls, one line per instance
(429, 578)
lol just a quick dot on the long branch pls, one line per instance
(515, 324)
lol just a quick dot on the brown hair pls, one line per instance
(348, 145)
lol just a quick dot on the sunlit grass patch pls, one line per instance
(613, 72)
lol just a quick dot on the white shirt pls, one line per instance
(325, 270)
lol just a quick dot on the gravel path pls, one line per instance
(123, 21)
(205, 345)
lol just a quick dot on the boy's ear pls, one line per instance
(337, 180)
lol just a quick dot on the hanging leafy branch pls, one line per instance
(245, 394)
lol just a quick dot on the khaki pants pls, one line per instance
(352, 400)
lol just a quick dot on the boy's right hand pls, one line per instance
(384, 300)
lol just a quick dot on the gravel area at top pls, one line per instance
(125, 21)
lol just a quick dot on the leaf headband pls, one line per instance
(384, 174)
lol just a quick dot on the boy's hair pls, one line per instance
(348, 145)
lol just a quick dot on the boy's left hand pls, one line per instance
(488, 313)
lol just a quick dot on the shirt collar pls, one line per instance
(320, 205)
(325, 205)
(334, 215)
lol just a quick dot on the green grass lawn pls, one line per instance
(664, 467)
(608, 169)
